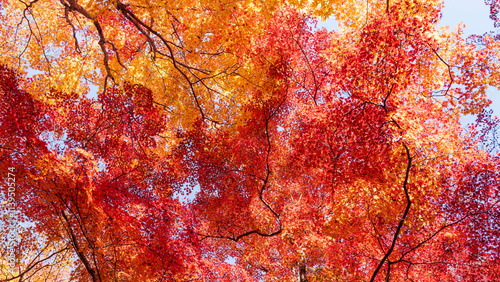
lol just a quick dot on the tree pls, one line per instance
(312, 155)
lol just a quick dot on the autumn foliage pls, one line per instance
(234, 141)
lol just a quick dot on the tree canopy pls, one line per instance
(231, 140)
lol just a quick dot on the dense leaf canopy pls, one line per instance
(230, 140)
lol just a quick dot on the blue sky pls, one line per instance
(473, 13)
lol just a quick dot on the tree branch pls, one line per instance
(405, 214)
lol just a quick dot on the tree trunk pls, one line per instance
(302, 273)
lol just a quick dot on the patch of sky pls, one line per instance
(187, 193)
(93, 91)
(55, 143)
(32, 72)
(101, 165)
(329, 24)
